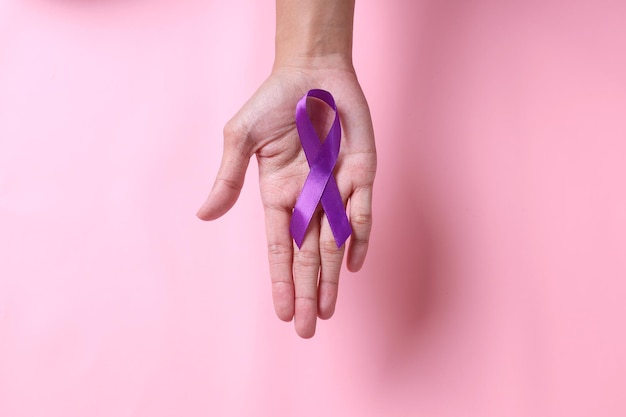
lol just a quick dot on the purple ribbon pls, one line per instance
(320, 185)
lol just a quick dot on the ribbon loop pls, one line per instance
(320, 184)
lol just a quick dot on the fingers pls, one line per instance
(305, 280)
(306, 264)
(230, 177)
(280, 254)
(294, 272)
(331, 258)
(361, 221)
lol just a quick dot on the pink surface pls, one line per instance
(495, 284)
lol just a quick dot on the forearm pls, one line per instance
(312, 32)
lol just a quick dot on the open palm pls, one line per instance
(305, 279)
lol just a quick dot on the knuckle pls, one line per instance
(359, 240)
(228, 183)
(282, 288)
(306, 299)
(329, 283)
(328, 248)
(237, 136)
(362, 220)
(279, 253)
(307, 258)
(232, 130)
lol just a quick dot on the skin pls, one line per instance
(313, 50)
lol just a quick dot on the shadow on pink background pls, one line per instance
(495, 281)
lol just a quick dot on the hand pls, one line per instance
(304, 281)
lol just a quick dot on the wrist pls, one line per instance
(314, 33)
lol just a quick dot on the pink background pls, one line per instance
(496, 280)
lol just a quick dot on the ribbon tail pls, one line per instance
(306, 204)
(336, 212)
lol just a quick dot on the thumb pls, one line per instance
(230, 177)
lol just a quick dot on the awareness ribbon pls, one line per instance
(320, 184)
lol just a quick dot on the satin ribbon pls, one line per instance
(320, 184)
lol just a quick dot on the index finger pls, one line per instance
(280, 256)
